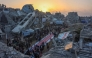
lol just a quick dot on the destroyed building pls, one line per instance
(59, 16)
(85, 41)
(21, 23)
(72, 18)
(85, 20)
(86, 32)
(48, 13)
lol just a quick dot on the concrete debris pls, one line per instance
(22, 29)
(10, 52)
(58, 52)
(86, 32)
(74, 27)
(85, 20)
(24, 23)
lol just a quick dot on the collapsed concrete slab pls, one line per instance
(24, 23)
(58, 52)
(86, 33)
(10, 52)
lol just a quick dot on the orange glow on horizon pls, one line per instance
(45, 7)
(83, 7)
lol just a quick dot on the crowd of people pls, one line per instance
(38, 35)
(36, 51)
(17, 44)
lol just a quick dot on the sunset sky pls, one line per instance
(83, 7)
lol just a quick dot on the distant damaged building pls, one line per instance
(85, 20)
(59, 16)
(72, 18)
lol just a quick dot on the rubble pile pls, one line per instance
(86, 31)
(10, 17)
(85, 20)
(85, 52)
(58, 52)
(85, 45)
(10, 52)
(74, 27)
(21, 28)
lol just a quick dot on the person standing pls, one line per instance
(0, 37)
(47, 46)
(7, 42)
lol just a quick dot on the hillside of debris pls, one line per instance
(28, 32)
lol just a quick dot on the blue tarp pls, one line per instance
(84, 21)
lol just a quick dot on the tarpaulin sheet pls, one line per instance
(46, 39)
(63, 35)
